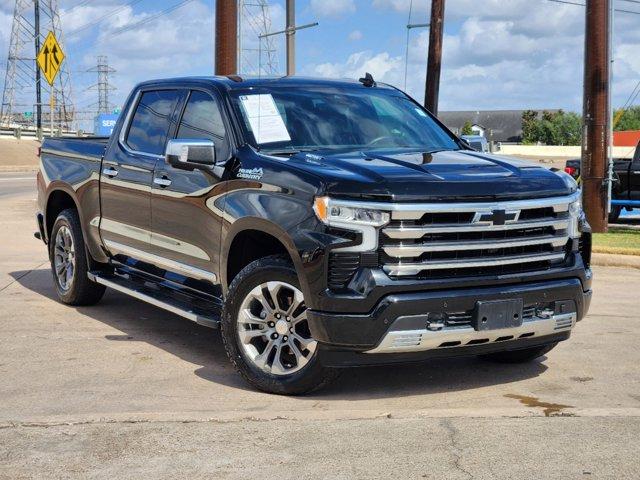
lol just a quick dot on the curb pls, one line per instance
(18, 168)
(612, 260)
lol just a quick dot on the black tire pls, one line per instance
(312, 376)
(80, 290)
(614, 215)
(519, 356)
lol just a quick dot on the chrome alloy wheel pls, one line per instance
(64, 258)
(273, 328)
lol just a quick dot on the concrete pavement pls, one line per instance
(125, 390)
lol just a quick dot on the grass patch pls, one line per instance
(618, 241)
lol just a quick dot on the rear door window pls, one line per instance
(151, 121)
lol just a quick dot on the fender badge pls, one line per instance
(250, 173)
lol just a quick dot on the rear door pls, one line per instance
(127, 173)
(186, 223)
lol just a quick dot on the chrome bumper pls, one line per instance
(399, 341)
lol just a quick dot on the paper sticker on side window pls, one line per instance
(264, 118)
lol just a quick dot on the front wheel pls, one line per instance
(519, 356)
(266, 333)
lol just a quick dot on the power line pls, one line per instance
(104, 17)
(632, 97)
(77, 5)
(150, 18)
(567, 2)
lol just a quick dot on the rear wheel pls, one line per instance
(519, 356)
(266, 332)
(614, 215)
(69, 262)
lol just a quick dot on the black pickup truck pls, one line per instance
(320, 224)
(625, 190)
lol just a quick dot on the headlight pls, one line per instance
(333, 212)
(575, 208)
(575, 216)
(349, 216)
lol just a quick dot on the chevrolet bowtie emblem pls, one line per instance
(498, 217)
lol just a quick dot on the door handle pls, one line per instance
(110, 172)
(162, 181)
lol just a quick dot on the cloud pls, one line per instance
(355, 35)
(497, 54)
(333, 8)
(382, 66)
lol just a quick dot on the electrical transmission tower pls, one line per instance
(103, 86)
(256, 56)
(32, 20)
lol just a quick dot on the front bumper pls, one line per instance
(398, 327)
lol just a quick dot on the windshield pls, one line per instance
(313, 118)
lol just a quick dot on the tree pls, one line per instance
(551, 128)
(529, 127)
(467, 128)
(630, 119)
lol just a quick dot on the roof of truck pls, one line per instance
(233, 82)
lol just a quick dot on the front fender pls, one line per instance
(276, 212)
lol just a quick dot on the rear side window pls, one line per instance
(202, 119)
(151, 121)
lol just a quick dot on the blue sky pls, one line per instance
(497, 54)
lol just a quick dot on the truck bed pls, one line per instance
(80, 147)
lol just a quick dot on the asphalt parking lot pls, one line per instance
(125, 390)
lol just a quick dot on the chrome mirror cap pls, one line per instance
(190, 152)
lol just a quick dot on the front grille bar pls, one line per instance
(417, 250)
(410, 269)
(407, 233)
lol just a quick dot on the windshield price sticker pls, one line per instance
(264, 118)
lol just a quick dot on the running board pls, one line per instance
(159, 297)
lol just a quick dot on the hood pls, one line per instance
(414, 176)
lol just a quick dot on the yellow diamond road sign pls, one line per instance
(50, 58)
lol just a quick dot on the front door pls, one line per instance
(127, 174)
(185, 221)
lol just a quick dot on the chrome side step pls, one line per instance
(155, 296)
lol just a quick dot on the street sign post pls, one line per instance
(49, 60)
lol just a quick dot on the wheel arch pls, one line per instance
(251, 238)
(59, 199)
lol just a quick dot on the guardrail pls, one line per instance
(29, 133)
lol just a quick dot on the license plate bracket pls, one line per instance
(498, 314)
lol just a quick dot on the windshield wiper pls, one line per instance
(288, 151)
(438, 150)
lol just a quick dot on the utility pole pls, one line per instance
(226, 56)
(596, 113)
(434, 62)
(36, 13)
(290, 33)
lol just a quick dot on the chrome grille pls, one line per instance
(475, 238)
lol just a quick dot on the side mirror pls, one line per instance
(191, 153)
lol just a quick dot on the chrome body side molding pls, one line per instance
(165, 264)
